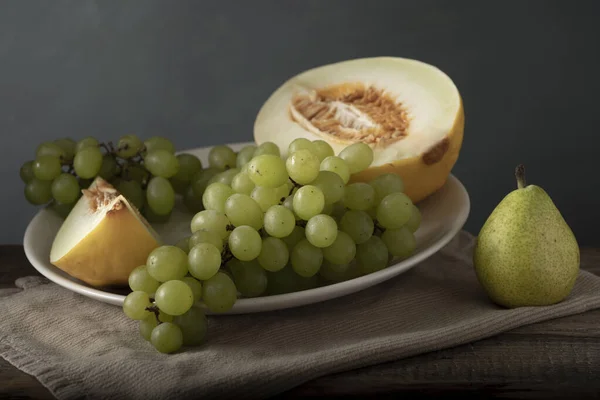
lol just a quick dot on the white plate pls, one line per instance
(443, 215)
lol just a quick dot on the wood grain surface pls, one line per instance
(548, 360)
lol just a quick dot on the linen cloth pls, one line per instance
(78, 347)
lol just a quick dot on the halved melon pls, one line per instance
(103, 238)
(409, 112)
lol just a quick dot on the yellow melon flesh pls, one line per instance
(103, 238)
(409, 112)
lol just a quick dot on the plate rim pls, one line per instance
(273, 302)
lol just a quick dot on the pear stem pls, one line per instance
(520, 175)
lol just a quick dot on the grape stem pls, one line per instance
(106, 147)
(378, 228)
(226, 255)
(156, 312)
(296, 185)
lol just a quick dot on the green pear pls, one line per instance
(526, 254)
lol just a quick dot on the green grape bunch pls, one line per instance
(266, 225)
(148, 173)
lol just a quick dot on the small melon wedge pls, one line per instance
(103, 238)
(409, 112)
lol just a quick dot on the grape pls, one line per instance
(241, 209)
(215, 195)
(179, 186)
(265, 197)
(219, 293)
(38, 192)
(166, 263)
(359, 196)
(160, 195)
(334, 272)
(399, 242)
(249, 277)
(302, 166)
(267, 148)
(241, 183)
(358, 156)
(222, 157)
(300, 144)
(26, 172)
(321, 230)
(267, 170)
(211, 221)
(189, 165)
(331, 185)
(174, 297)
(161, 163)
(184, 244)
(201, 178)
(86, 142)
(195, 285)
(274, 254)
(135, 303)
(63, 210)
(154, 218)
(192, 202)
(128, 146)
(136, 173)
(394, 210)
(225, 177)
(342, 251)
(338, 210)
(284, 190)
(159, 143)
(245, 243)
(167, 338)
(147, 324)
(133, 192)
(68, 147)
(50, 149)
(372, 255)
(308, 202)
(87, 162)
(46, 168)
(322, 149)
(204, 261)
(327, 209)
(386, 184)
(415, 219)
(65, 189)
(140, 280)
(357, 224)
(245, 155)
(337, 165)
(84, 183)
(202, 236)
(108, 168)
(287, 280)
(295, 237)
(193, 325)
(279, 221)
(306, 259)
(289, 204)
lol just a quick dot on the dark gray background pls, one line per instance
(198, 71)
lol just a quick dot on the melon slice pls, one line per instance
(103, 238)
(409, 112)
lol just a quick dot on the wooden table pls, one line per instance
(553, 359)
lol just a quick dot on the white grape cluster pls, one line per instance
(271, 226)
(147, 173)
